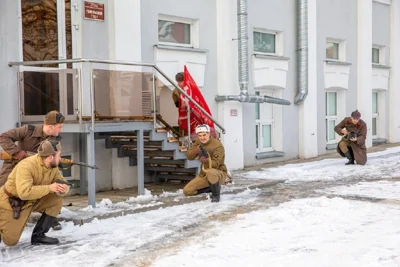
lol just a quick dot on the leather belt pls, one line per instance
(7, 193)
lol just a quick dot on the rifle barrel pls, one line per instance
(85, 165)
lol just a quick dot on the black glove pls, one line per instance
(177, 104)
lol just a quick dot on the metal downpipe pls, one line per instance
(302, 42)
(243, 46)
(243, 63)
(252, 99)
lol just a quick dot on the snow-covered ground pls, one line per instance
(317, 231)
(384, 164)
(103, 242)
(379, 190)
(307, 232)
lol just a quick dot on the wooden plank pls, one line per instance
(151, 153)
(171, 169)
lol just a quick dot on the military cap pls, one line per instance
(54, 117)
(49, 147)
(356, 114)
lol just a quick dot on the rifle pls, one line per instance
(59, 181)
(203, 152)
(5, 156)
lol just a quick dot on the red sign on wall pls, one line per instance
(94, 11)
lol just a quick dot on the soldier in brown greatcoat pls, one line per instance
(32, 184)
(29, 138)
(352, 145)
(175, 93)
(213, 173)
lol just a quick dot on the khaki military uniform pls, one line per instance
(176, 95)
(358, 148)
(28, 138)
(29, 181)
(212, 174)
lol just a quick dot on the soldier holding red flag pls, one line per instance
(187, 83)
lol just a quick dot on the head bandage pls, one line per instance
(202, 128)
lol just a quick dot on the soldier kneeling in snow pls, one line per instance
(213, 173)
(352, 145)
(31, 187)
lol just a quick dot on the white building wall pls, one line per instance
(129, 33)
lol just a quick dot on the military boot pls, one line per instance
(215, 190)
(204, 190)
(42, 227)
(350, 158)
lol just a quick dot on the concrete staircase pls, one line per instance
(164, 159)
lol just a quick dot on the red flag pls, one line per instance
(196, 115)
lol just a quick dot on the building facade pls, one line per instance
(353, 56)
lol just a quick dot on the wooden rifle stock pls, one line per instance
(5, 156)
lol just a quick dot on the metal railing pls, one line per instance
(111, 62)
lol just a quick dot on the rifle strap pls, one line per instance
(7, 193)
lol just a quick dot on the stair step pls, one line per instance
(147, 144)
(103, 135)
(167, 177)
(172, 140)
(161, 130)
(170, 169)
(159, 162)
(150, 153)
(126, 137)
(183, 149)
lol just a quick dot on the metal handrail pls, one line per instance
(116, 62)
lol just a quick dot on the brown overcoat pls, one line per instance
(216, 151)
(358, 147)
(176, 95)
(29, 181)
(28, 138)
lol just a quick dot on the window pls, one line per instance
(264, 125)
(264, 42)
(47, 34)
(331, 116)
(175, 32)
(44, 35)
(332, 50)
(375, 55)
(374, 114)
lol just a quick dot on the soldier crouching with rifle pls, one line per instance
(213, 173)
(29, 138)
(32, 186)
(354, 132)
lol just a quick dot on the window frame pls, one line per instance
(193, 30)
(373, 49)
(61, 32)
(338, 50)
(341, 49)
(330, 117)
(375, 116)
(381, 54)
(276, 45)
(259, 123)
(62, 68)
